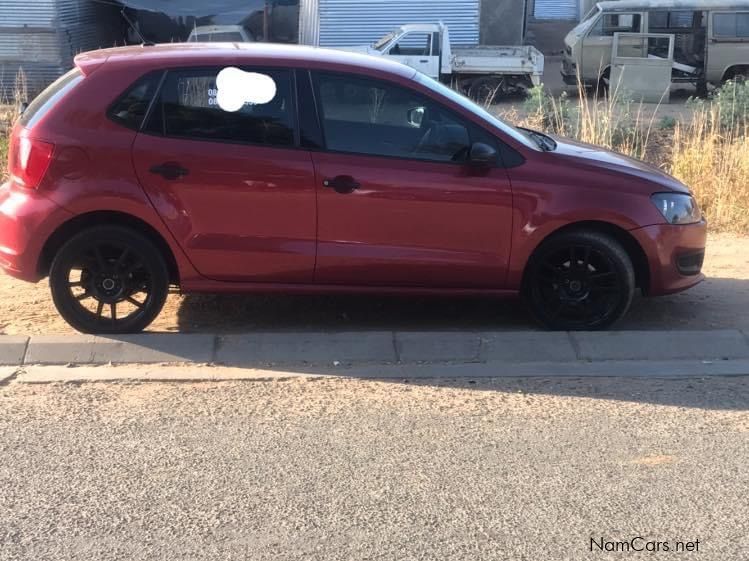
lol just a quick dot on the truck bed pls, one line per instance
(498, 60)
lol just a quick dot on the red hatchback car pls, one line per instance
(244, 168)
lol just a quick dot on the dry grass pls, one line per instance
(714, 161)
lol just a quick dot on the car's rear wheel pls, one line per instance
(579, 281)
(108, 280)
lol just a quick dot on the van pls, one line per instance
(697, 42)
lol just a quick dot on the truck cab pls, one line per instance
(481, 72)
(423, 46)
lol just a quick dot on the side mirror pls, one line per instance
(482, 154)
(22, 107)
(415, 116)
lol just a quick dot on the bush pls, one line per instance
(730, 102)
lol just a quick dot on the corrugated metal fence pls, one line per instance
(41, 37)
(345, 23)
(557, 9)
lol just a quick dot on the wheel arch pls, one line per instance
(105, 218)
(632, 247)
(735, 70)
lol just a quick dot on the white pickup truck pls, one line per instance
(482, 72)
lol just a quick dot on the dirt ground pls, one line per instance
(719, 303)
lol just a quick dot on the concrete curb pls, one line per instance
(344, 349)
(397, 372)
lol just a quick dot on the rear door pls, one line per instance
(224, 171)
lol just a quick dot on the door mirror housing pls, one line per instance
(482, 154)
(415, 116)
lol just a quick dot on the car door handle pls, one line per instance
(342, 184)
(169, 170)
(424, 60)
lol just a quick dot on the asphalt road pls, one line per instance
(347, 469)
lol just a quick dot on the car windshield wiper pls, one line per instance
(545, 142)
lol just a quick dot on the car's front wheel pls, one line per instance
(580, 280)
(109, 279)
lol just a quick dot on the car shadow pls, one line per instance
(718, 303)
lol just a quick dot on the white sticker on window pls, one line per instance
(237, 88)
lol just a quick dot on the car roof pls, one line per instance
(195, 54)
(673, 4)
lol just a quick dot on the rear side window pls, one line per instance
(49, 98)
(245, 106)
(731, 25)
(131, 108)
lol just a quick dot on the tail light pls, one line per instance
(28, 160)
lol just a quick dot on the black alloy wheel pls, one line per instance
(109, 280)
(580, 281)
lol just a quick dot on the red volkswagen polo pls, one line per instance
(248, 168)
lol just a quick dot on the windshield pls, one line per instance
(511, 131)
(587, 21)
(382, 43)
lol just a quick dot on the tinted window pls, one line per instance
(609, 24)
(191, 107)
(671, 20)
(731, 25)
(131, 108)
(373, 117)
(49, 98)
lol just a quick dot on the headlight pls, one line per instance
(677, 208)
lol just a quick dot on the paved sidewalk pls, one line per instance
(377, 347)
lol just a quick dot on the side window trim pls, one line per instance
(162, 128)
(156, 98)
(471, 127)
(303, 75)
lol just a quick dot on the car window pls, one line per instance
(731, 25)
(366, 116)
(131, 107)
(609, 24)
(46, 100)
(413, 44)
(664, 20)
(226, 104)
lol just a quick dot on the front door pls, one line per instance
(398, 205)
(415, 49)
(224, 173)
(597, 45)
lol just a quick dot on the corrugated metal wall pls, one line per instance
(42, 37)
(345, 23)
(557, 9)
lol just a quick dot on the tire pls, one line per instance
(105, 268)
(579, 281)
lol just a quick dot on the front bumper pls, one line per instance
(675, 255)
(27, 219)
(569, 71)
